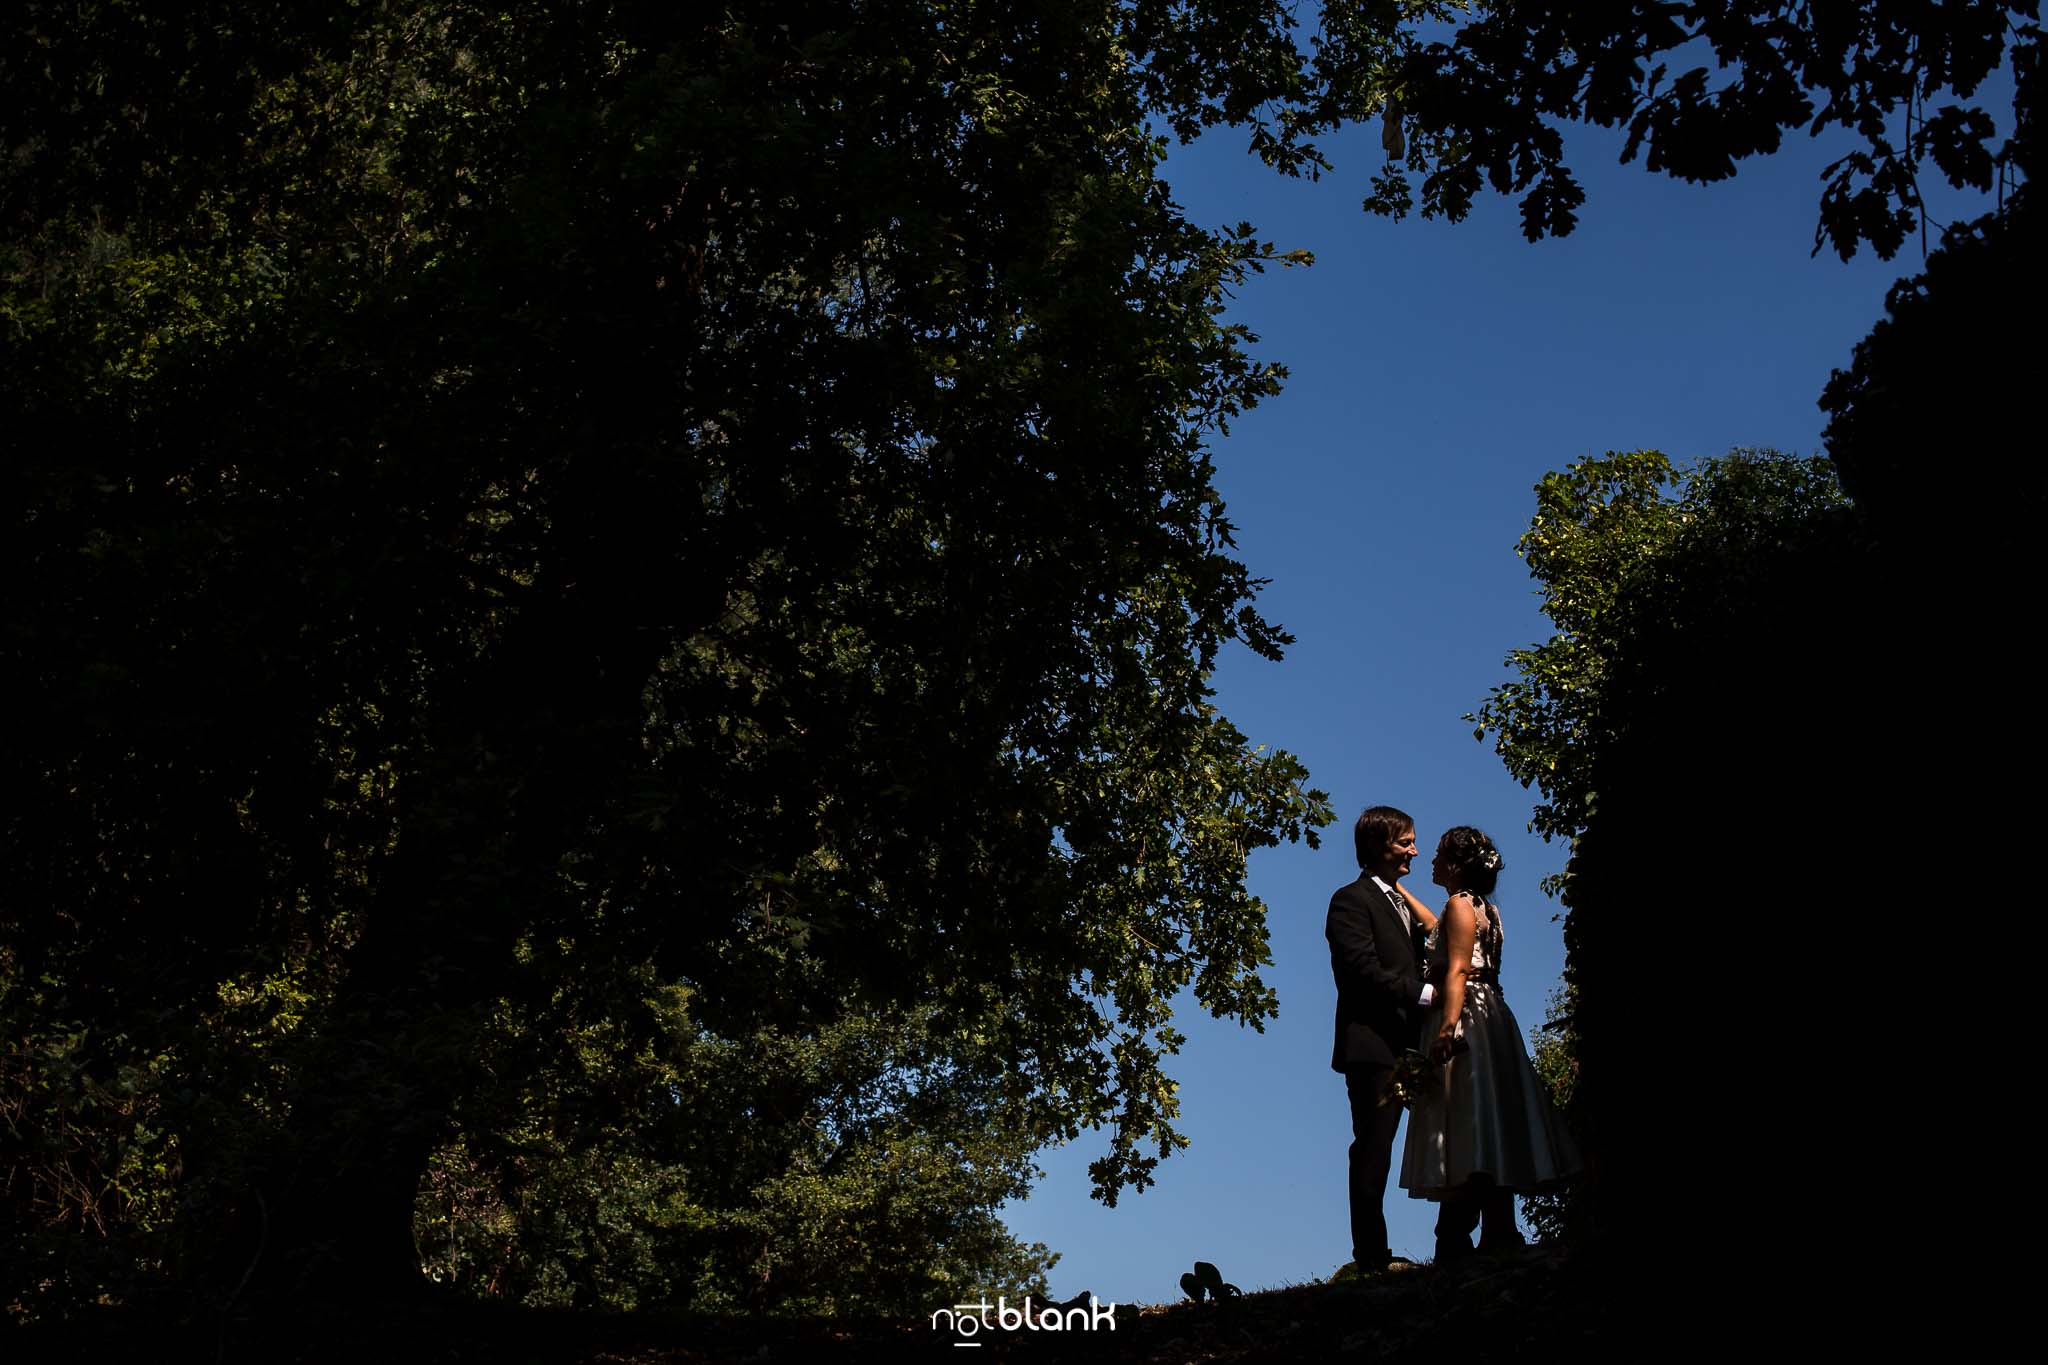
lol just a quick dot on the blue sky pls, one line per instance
(1438, 371)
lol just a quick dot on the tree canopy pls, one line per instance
(623, 533)
(1620, 548)
(1698, 87)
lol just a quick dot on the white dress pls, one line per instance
(1485, 1112)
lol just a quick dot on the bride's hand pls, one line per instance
(1424, 916)
(1443, 1045)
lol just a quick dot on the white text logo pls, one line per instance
(972, 1319)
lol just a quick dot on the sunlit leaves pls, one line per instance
(1618, 546)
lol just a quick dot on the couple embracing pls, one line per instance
(1482, 1128)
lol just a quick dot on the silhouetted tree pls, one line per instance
(1481, 106)
(506, 498)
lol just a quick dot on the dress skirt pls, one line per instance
(1486, 1112)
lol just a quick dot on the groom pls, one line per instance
(1375, 956)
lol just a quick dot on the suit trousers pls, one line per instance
(1372, 1154)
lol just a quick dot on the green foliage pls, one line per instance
(1553, 1048)
(521, 514)
(630, 1156)
(1615, 545)
(89, 1163)
(1480, 107)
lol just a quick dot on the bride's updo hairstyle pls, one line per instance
(1473, 854)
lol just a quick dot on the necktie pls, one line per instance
(1401, 909)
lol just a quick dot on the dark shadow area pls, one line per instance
(1795, 912)
(1539, 1301)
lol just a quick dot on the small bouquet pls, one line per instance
(1412, 1070)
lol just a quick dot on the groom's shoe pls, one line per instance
(1450, 1253)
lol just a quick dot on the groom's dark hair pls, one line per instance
(1376, 830)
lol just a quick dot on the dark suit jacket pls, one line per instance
(1373, 957)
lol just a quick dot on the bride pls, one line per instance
(1482, 1130)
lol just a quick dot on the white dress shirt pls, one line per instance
(1407, 922)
